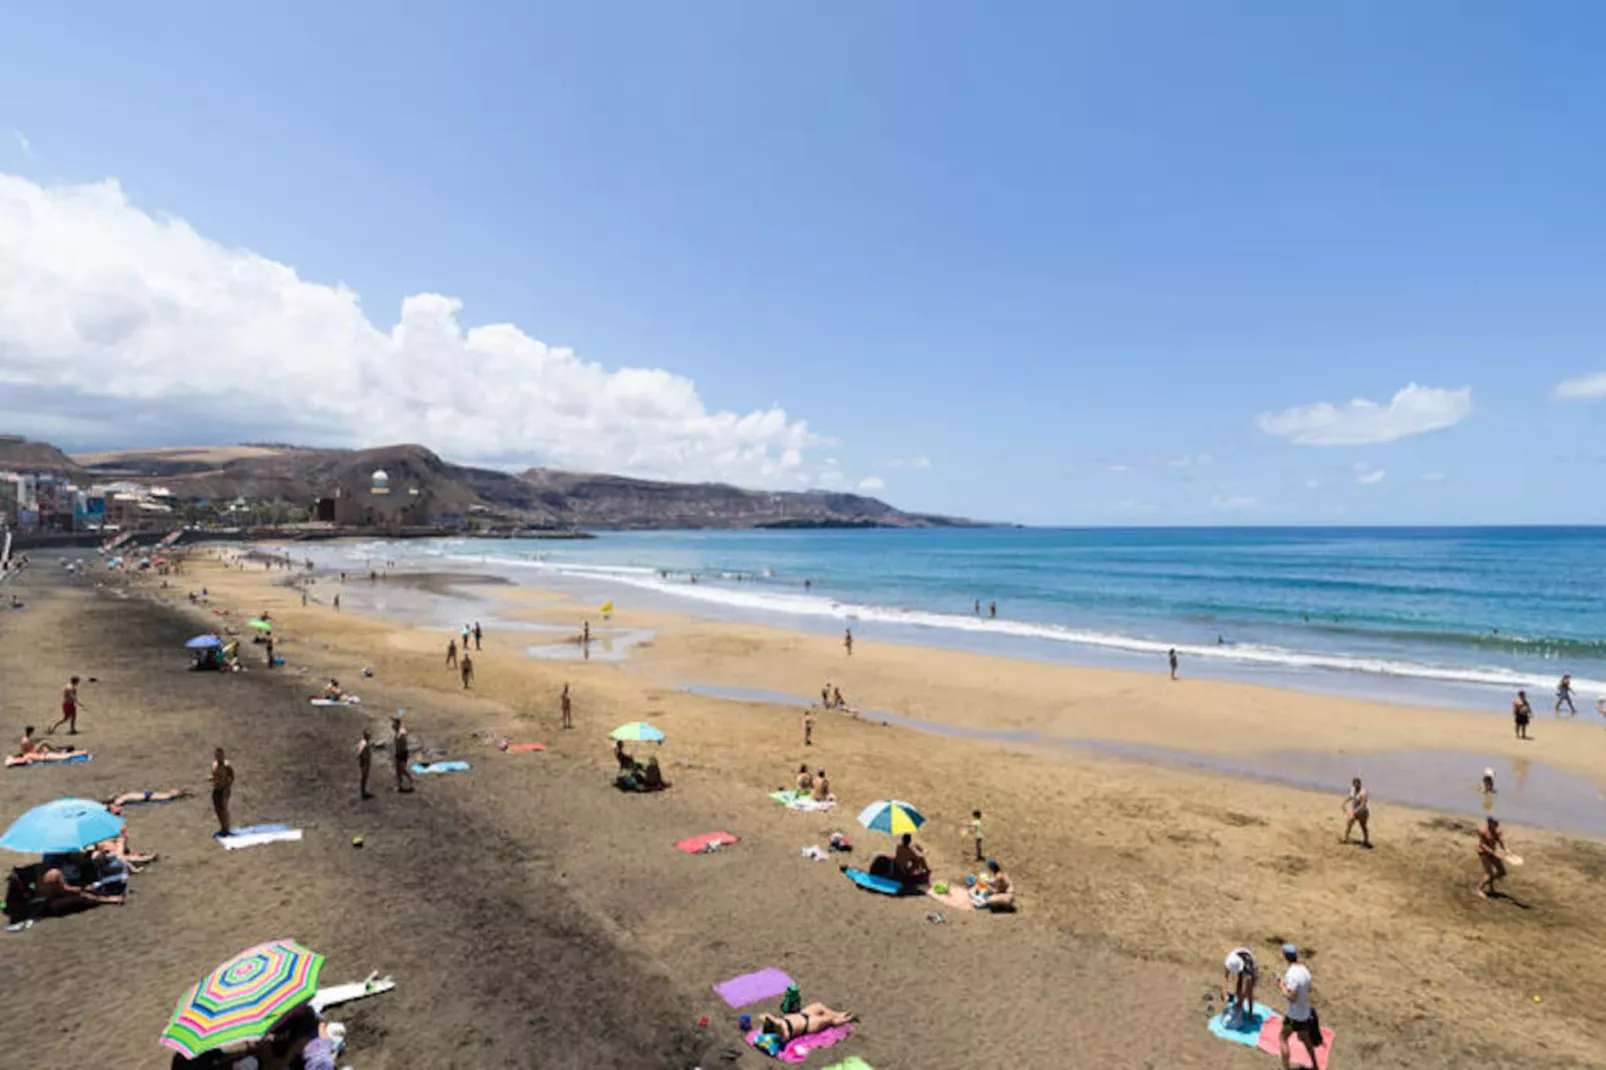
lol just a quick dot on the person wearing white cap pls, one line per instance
(1241, 974)
(1300, 1019)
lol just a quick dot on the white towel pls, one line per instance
(252, 839)
(810, 805)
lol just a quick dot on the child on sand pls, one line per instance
(567, 708)
(1357, 808)
(975, 833)
(365, 763)
(222, 789)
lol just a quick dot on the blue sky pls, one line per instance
(1072, 255)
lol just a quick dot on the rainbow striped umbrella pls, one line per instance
(243, 998)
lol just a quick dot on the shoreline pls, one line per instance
(1135, 877)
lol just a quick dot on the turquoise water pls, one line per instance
(1475, 608)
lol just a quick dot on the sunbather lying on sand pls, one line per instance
(28, 746)
(58, 894)
(40, 757)
(130, 798)
(815, 1018)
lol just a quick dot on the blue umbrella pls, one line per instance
(61, 826)
(203, 642)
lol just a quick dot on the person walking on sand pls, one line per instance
(269, 645)
(451, 653)
(1521, 713)
(222, 790)
(992, 610)
(1300, 1019)
(398, 753)
(69, 709)
(467, 669)
(365, 763)
(585, 633)
(1564, 693)
(808, 729)
(477, 635)
(847, 640)
(1173, 659)
(566, 707)
(975, 834)
(337, 601)
(1491, 856)
(1357, 809)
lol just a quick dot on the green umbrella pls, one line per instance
(260, 625)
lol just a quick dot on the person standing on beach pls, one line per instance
(269, 645)
(365, 763)
(451, 653)
(1522, 713)
(467, 669)
(585, 633)
(1173, 659)
(398, 753)
(1491, 852)
(1357, 809)
(978, 607)
(337, 601)
(808, 729)
(222, 790)
(992, 610)
(566, 706)
(1564, 693)
(69, 709)
(477, 635)
(466, 633)
(1300, 1019)
(975, 834)
(847, 640)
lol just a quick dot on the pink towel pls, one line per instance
(699, 844)
(799, 1047)
(520, 748)
(1273, 1029)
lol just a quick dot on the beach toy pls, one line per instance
(356, 841)
(940, 888)
(702, 1023)
(746, 1021)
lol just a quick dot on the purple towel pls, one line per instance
(749, 988)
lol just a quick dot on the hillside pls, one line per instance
(539, 497)
(17, 454)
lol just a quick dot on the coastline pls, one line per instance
(1136, 877)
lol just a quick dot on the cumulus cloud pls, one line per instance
(1233, 501)
(1415, 410)
(161, 331)
(1582, 388)
(1371, 477)
(872, 483)
(909, 462)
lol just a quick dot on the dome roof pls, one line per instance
(380, 476)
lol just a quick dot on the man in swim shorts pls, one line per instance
(69, 709)
(222, 789)
(398, 751)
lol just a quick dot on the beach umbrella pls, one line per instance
(260, 625)
(891, 816)
(60, 827)
(244, 998)
(204, 642)
(637, 732)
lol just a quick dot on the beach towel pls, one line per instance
(699, 844)
(440, 767)
(525, 748)
(334, 995)
(801, 801)
(871, 883)
(852, 1062)
(751, 988)
(1272, 1030)
(798, 1048)
(13, 762)
(349, 700)
(1248, 1031)
(242, 838)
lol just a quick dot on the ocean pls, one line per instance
(1457, 615)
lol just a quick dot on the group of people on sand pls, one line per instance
(816, 786)
(98, 874)
(633, 775)
(301, 1040)
(1242, 975)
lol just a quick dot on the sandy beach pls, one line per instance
(534, 916)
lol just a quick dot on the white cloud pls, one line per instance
(1189, 460)
(1582, 388)
(1371, 477)
(1233, 501)
(105, 309)
(910, 462)
(1415, 410)
(1117, 468)
(1313, 484)
(23, 143)
(1432, 477)
(872, 483)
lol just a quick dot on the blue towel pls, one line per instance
(1249, 1032)
(440, 767)
(80, 756)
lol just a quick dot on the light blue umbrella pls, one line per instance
(61, 826)
(637, 732)
(204, 642)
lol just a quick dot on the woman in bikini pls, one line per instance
(1357, 809)
(815, 1018)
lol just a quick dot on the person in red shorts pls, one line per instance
(69, 709)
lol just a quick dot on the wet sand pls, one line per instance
(1136, 878)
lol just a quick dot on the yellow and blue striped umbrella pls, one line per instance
(891, 816)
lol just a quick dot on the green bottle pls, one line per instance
(792, 1002)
